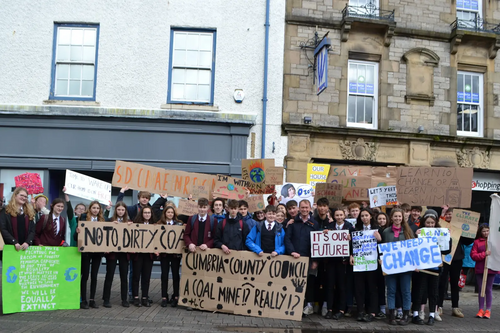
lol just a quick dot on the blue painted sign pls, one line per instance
(321, 54)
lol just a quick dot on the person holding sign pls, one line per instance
(232, 232)
(90, 261)
(267, 237)
(51, 228)
(382, 220)
(142, 196)
(120, 216)
(17, 220)
(479, 253)
(398, 230)
(198, 232)
(243, 211)
(365, 283)
(298, 244)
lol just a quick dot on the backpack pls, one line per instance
(191, 219)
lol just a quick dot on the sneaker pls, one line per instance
(380, 315)
(368, 318)
(487, 314)
(421, 314)
(437, 317)
(399, 315)
(440, 310)
(480, 313)
(324, 311)
(308, 310)
(348, 313)
(137, 302)
(456, 312)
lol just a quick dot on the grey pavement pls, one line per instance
(158, 319)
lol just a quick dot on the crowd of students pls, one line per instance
(332, 285)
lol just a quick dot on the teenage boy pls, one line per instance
(200, 229)
(143, 197)
(217, 208)
(39, 204)
(323, 215)
(232, 232)
(292, 211)
(354, 210)
(298, 243)
(414, 219)
(243, 211)
(267, 236)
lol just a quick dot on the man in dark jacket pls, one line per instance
(232, 232)
(298, 243)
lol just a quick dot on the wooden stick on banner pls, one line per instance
(428, 272)
(485, 273)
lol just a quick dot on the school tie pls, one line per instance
(54, 226)
(202, 220)
(338, 228)
(269, 227)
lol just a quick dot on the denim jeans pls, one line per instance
(405, 285)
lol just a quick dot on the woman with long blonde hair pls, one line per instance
(17, 220)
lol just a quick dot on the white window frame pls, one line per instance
(374, 124)
(479, 11)
(480, 104)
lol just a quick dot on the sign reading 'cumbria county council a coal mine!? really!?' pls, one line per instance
(244, 283)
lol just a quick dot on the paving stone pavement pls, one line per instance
(158, 319)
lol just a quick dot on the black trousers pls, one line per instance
(429, 286)
(381, 286)
(90, 265)
(366, 293)
(170, 261)
(415, 289)
(454, 271)
(335, 284)
(143, 265)
(122, 260)
(320, 285)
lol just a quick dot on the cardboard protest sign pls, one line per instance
(429, 186)
(335, 243)
(256, 189)
(274, 175)
(494, 237)
(297, 192)
(187, 207)
(466, 220)
(41, 278)
(255, 203)
(331, 191)
(156, 180)
(356, 181)
(124, 237)
(383, 196)
(254, 170)
(384, 176)
(86, 187)
(364, 251)
(30, 181)
(244, 283)
(229, 188)
(317, 173)
(442, 235)
(408, 255)
(2, 244)
(201, 191)
(455, 234)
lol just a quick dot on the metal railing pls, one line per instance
(476, 24)
(368, 11)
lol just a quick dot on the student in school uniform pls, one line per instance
(232, 232)
(73, 216)
(142, 263)
(247, 218)
(51, 228)
(90, 261)
(217, 208)
(381, 221)
(365, 283)
(40, 204)
(170, 261)
(143, 197)
(298, 243)
(292, 211)
(17, 221)
(200, 229)
(268, 236)
(122, 259)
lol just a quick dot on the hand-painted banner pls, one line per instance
(255, 170)
(442, 235)
(408, 255)
(41, 278)
(330, 191)
(455, 234)
(230, 188)
(187, 207)
(383, 196)
(433, 186)
(466, 220)
(494, 237)
(244, 283)
(255, 203)
(355, 180)
(157, 180)
(274, 175)
(297, 192)
(124, 237)
(364, 251)
(317, 173)
(86, 187)
(334, 243)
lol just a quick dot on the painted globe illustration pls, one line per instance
(257, 175)
(230, 187)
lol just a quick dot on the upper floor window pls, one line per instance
(192, 66)
(362, 94)
(468, 12)
(74, 65)
(470, 104)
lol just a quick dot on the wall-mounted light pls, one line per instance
(421, 129)
(307, 120)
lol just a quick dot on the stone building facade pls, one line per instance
(409, 83)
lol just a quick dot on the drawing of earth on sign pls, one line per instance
(257, 174)
(11, 276)
(68, 276)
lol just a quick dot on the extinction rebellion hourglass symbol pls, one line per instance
(453, 193)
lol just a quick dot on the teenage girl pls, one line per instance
(365, 283)
(381, 220)
(120, 216)
(170, 260)
(398, 230)
(479, 255)
(142, 263)
(51, 228)
(90, 261)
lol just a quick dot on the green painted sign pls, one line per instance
(41, 278)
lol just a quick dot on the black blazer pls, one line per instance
(8, 233)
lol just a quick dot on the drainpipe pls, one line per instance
(264, 95)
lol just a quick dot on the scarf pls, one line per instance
(219, 217)
(396, 231)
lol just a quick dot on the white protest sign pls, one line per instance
(408, 255)
(383, 196)
(334, 243)
(351, 221)
(494, 237)
(442, 234)
(87, 187)
(364, 251)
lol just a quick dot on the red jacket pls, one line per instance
(478, 254)
(46, 236)
(191, 233)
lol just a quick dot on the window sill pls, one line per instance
(190, 107)
(70, 103)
